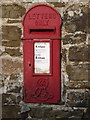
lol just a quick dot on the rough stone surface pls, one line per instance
(13, 43)
(79, 53)
(8, 99)
(75, 114)
(75, 15)
(58, 4)
(73, 39)
(87, 114)
(10, 112)
(12, 11)
(11, 33)
(13, 52)
(78, 72)
(16, 89)
(14, 21)
(78, 85)
(64, 51)
(39, 112)
(78, 98)
(11, 67)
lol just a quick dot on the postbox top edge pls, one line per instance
(38, 6)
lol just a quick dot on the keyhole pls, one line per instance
(29, 65)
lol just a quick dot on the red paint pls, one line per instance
(42, 24)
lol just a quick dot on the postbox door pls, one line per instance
(41, 71)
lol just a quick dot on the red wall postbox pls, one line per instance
(41, 51)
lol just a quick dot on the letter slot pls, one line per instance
(42, 30)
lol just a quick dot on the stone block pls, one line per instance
(78, 54)
(58, 4)
(39, 112)
(64, 52)
(8, 99)
(66, 114)
(1, 80)
(14, 76)
(14, 21)
(10, 112)
(78, 98)
(76, 18)
(11, 43)
(13, 52)
(11, 33)
(58, 114)
(11, 67)
(16, 89)
(79, 72)
(12, 11)
(78, 85)
(87, 114)
(74, 39)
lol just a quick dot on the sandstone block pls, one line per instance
(13, 52)
(13, 43)
(11, 33)
(79, 53)
(11, 67)
(39, 112)
(12, 11)
(10, 112)
(78, 72)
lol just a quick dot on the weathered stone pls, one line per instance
(64, 52)
(87, 114)
(73, 39)
(11, 67)
(11, 33)
(78, 85)
(78, 98)
(10, 112)
(14, 76)
(78, 72)
(8, 99)
(13, 43)
(70, 27)
(66, 115)
(68, 39)
(15, 90)
(79, 21)
(39, 112)
(12, 11)
(58, 4)
(13, 52)
(1, 80)
(58, 114)
(14, 21)
(79, 53)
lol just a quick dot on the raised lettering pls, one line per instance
(41, 22)
(42, 16)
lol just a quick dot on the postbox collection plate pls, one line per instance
(41, 57)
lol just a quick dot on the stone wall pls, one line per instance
(75, 63)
